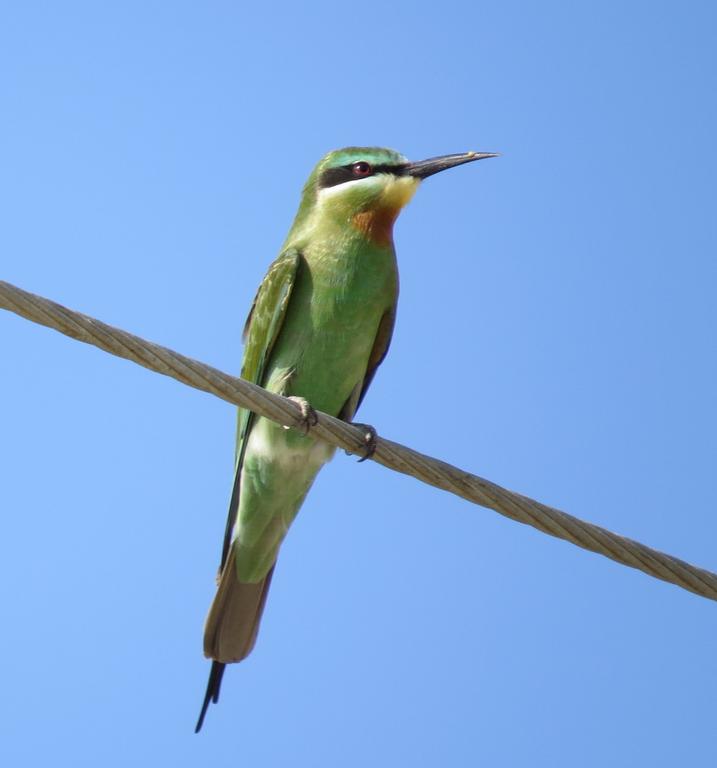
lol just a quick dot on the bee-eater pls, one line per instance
(319, 328)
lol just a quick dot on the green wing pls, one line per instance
(260, 333)
(379, 351)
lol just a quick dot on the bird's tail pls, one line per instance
(232, 626)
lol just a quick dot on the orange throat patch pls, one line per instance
(377, 225)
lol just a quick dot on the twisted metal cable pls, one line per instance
(351, 438)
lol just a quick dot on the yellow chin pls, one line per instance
(398, 191)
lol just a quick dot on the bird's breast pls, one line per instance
(330, 329)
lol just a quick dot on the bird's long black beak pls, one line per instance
(424, 168)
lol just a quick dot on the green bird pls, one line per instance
(318, 329)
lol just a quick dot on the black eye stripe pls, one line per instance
(333, 176)
(396, 170)
(330, 177)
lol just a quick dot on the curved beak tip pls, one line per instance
(482, 155)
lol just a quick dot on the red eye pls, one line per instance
(361, 169)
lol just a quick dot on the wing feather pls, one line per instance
(379, 350)
(261, 330)
(378, 353)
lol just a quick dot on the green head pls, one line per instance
(366, 187)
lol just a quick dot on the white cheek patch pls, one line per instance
(392, 191)
(338, 191)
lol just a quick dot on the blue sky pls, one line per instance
(555, 334)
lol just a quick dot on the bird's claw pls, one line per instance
(369, 438)
(308, 416)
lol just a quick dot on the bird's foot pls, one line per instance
(308, 416)
(369, 438)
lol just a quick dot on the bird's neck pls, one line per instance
(373, 227)
(376, 225)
